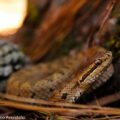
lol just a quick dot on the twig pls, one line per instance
(61, 108)
(65, 111)
(106, 15)
(107, 99)
(40, 102)
(100, 24)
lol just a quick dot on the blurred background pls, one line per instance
(12, 14)
(44, 27)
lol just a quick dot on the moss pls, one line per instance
(33, 13)
(114, 43)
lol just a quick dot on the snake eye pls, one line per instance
(64, 96)
(98, 62)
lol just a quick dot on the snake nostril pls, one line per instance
(109, 53)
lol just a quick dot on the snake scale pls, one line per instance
(64, 79)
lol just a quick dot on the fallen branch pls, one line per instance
(55, 107)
